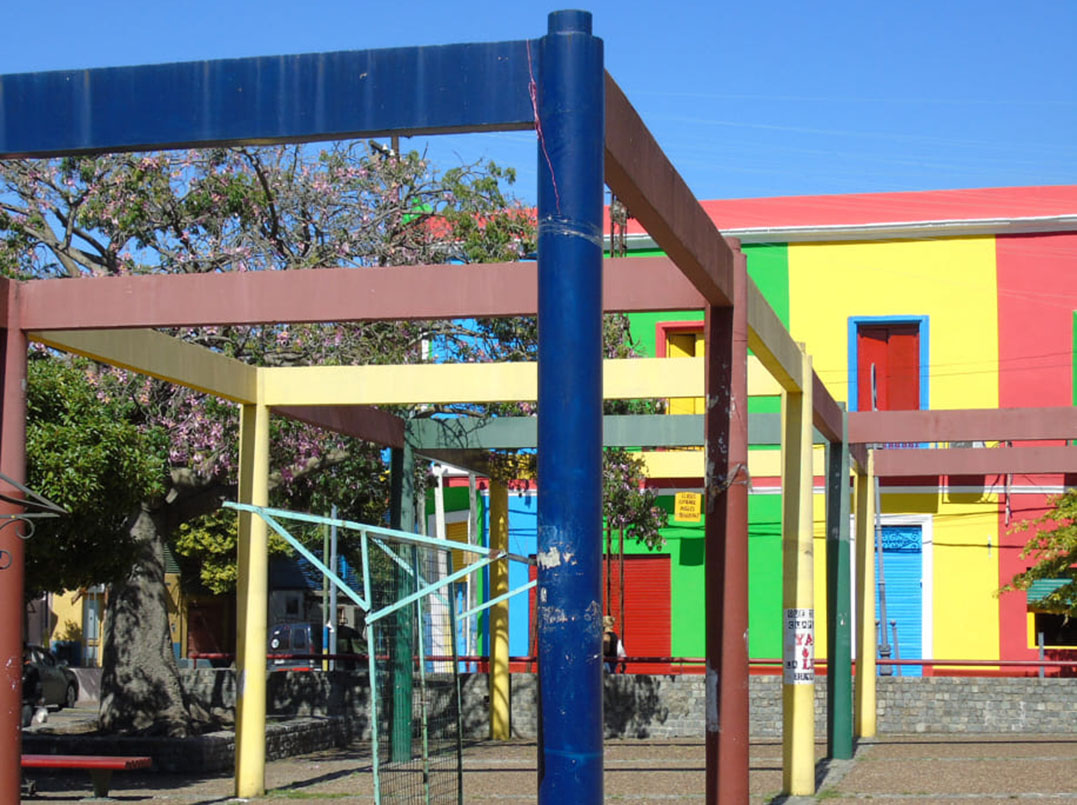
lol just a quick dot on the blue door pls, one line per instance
(902, 560)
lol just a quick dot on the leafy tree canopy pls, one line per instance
(1052, 546)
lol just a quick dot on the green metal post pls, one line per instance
(402, 518)
(372, 671)
(839, 678)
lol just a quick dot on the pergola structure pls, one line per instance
(587, 130)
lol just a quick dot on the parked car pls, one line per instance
(294, 638)
(306, 638)
(47, 681)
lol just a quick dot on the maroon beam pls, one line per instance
(333, 294)
(641, 175)
(726, 537)
(966, 425)
(826, 415)
(358, 421)
(975, 461)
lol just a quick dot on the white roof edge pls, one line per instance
(887, 230)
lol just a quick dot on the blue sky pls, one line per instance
(747, 99)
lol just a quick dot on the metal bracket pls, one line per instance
(36, 507)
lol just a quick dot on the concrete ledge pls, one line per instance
(214, 751)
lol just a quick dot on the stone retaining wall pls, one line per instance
(645, 706)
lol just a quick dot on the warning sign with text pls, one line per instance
(687, 507)
(798, 658)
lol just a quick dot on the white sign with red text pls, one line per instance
(799, 655)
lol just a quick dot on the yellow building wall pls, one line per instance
(964, 573)
(67, 616)
(950, 280)
(177, 612)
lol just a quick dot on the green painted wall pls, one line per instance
(685, 546)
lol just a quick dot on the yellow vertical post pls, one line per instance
(864, 689)
(252, 603)
(798, 589)
(499, 614)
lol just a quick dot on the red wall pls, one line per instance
(1037, 295)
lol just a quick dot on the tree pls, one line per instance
(1053, 548)
(83, 449)
(239, 209)
(205, 211)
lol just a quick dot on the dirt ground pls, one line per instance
(907, 769)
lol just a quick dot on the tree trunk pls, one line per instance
(621, 602)
(609, 569)
(140, 684)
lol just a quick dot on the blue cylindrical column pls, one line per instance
(571, 136)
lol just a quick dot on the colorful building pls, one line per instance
(928, 300)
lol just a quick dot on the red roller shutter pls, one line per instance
(647, 609)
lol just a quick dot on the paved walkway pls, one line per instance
(948, 769)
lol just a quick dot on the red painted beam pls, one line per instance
(986, 424)
(332, 294)
(975, 461)
(641, 175)
(12, 547)
(360, 422)
(726, 537)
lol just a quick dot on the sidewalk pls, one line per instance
(951, 769)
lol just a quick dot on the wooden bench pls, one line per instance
(99, 766)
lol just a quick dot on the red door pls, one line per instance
(892, 351)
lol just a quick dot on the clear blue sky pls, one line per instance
(748, 99)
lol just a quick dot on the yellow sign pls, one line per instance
(687, 507)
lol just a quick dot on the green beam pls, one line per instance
(839, 678)
(451, 438)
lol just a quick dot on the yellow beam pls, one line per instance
(798, 590)
(864, 689)
(499, 614)
(772, 344)
(690, 464)
(158, 355)
(252, 602)
(482, 382)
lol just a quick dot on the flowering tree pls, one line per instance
(243, 209)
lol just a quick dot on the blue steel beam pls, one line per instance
(570, 134)
(269, 99)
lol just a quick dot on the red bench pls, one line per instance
(99, 766)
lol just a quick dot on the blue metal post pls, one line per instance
(571, 133)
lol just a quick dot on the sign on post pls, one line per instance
(687, 507)
(799, 656)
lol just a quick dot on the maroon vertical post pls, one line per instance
(12, 464)
(726, 585)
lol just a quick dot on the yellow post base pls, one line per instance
(499, 614)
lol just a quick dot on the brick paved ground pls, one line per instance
(915, 769)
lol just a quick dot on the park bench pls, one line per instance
(99, 766)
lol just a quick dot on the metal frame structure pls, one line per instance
(586, 131)
(424, 588)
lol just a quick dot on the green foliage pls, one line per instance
(626, 504)
(205, 549)
(1053, 548)
(84, 453)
